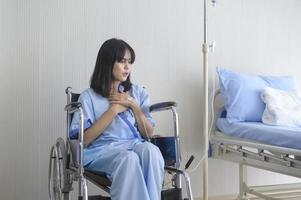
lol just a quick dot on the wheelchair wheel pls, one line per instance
(57, 170)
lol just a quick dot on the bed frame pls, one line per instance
(263, 156)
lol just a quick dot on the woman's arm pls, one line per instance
(144, 126)
(101, 124)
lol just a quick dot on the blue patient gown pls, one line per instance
(135, 166)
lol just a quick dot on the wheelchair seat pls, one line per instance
(99, 178)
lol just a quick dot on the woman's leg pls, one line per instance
(123, 168)
(152, 165)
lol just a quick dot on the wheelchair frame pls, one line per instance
(65, 167)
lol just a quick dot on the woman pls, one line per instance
(117, 125)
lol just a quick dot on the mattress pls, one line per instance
(289, 137)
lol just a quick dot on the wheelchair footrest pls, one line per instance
(171, 194)
(95, 197)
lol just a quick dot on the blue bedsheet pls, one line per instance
(288, 137)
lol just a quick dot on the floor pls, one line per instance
(291, 196)
(289, 193)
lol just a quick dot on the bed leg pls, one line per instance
(242, 182)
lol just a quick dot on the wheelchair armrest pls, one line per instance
(162, 106)
(72, 107)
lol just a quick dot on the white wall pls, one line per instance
(8, 99)
(46, 45)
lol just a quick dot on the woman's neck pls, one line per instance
(115, 85)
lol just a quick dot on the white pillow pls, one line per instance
(282, 107)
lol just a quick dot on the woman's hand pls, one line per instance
(122, 101)
(117, 108)
(122, 98)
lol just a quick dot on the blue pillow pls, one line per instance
(241, 93)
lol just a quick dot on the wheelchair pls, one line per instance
(66, 160)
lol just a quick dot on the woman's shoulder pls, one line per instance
(138, 88)
(86, 93)
(139, 91)
(89, 93)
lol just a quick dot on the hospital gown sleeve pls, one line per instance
(144, 105)
(89, 118)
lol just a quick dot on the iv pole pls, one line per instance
(205, 105)
(205, 49)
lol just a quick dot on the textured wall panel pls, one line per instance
(8, 29)
(47, 45)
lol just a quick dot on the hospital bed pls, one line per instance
(272, 148)
(66, 160)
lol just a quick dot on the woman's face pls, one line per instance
(122, 69)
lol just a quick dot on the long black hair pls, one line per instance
(111, 51)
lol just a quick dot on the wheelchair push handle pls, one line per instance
(68, 90)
